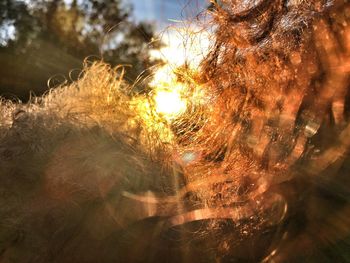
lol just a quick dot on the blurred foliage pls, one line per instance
(46, 38)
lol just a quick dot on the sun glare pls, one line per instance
(169, 103)
(184, 44)
(174, 92)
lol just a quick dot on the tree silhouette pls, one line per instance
(46, 38)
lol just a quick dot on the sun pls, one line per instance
(169, 103)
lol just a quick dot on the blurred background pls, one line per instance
(43, 43)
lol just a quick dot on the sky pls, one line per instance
(161, 12)
(183, 43)
(164, 12)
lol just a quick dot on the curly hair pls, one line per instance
(280, 72)
(261, 174)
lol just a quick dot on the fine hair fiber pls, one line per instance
(84, 177)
